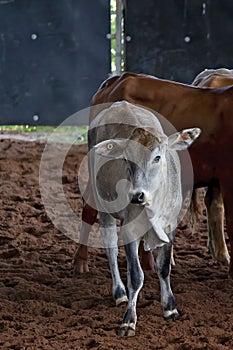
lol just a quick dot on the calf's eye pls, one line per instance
(156, 159)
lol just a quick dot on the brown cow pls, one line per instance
(214, 78)
(182, 105)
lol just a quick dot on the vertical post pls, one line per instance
(119, 37)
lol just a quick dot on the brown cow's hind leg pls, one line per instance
(80, 260)
(227, 189)
(146, 258)
(216, 239)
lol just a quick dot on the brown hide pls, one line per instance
(213, 78)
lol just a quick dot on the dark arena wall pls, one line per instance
(55, 54)
(53, 57)
(176, 39)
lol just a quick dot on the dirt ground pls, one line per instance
(44, 306)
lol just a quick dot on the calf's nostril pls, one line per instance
(141, 197)
(138, 198)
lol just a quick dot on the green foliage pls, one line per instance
(61, 133)
(18, 128)
(114, 29)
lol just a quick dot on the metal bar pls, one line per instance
(118, 36)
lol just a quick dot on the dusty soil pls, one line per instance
(44, 306)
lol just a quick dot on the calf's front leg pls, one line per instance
(135, 279)
(163, 263)
(110, 242)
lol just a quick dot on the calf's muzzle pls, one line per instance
(138, 198)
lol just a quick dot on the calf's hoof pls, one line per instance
(170, 316)
(126, 330)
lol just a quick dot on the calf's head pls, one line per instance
(144, 154)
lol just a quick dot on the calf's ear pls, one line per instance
(183, 139)
(110, 148)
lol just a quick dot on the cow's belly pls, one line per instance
(204, 161)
